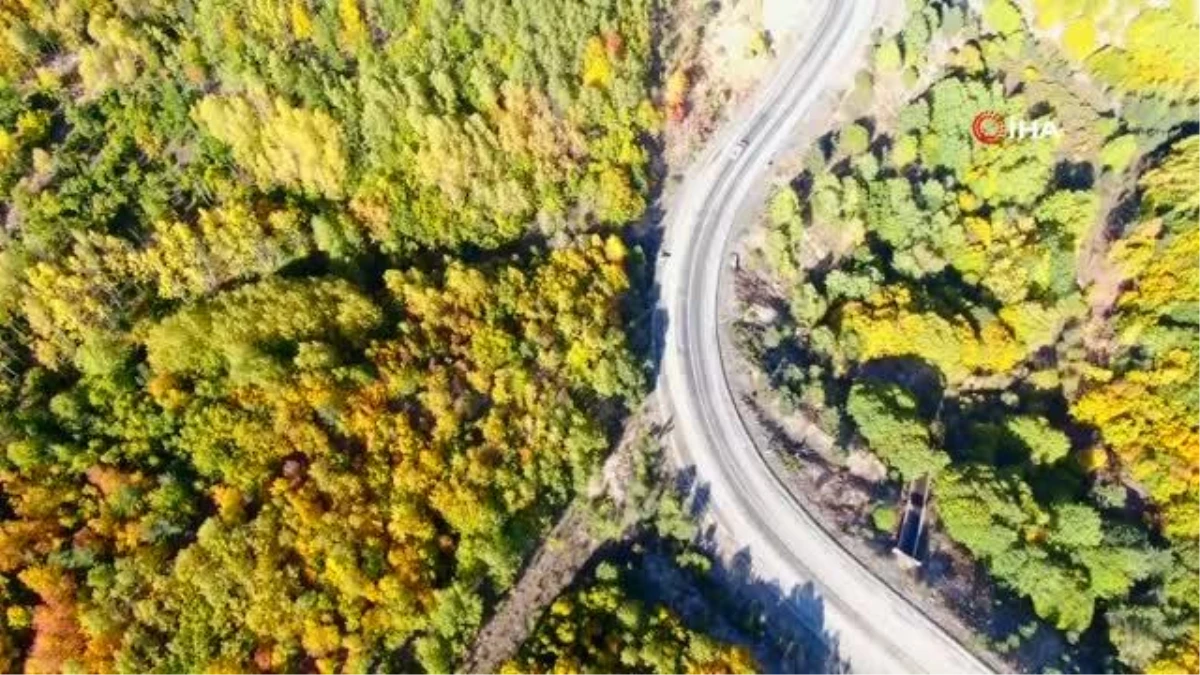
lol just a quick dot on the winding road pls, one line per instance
(873, 627)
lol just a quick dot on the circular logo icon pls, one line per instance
(989, 128)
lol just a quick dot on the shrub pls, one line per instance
(885, 519)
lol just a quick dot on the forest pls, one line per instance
(603, 627)
(313, 317)
(1017, 320)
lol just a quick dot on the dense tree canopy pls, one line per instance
(1150, 47)
(1145, 401)
(366, 461)
(603, 628)
(269, 397)
(1018, 320)
(436, 124)
(1146, 405)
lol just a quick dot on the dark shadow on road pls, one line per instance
(786, 625)
(783, 627)
(783, 630)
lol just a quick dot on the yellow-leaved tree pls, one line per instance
(277, 143)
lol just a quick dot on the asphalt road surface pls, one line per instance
(873, 628)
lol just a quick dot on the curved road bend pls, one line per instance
(875, 629)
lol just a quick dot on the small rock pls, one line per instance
(866, 466)
(762, 314)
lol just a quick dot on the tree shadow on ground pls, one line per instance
(917, 376)
(787, 625)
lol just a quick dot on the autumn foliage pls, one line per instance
(312, 319)
(1017, 321)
